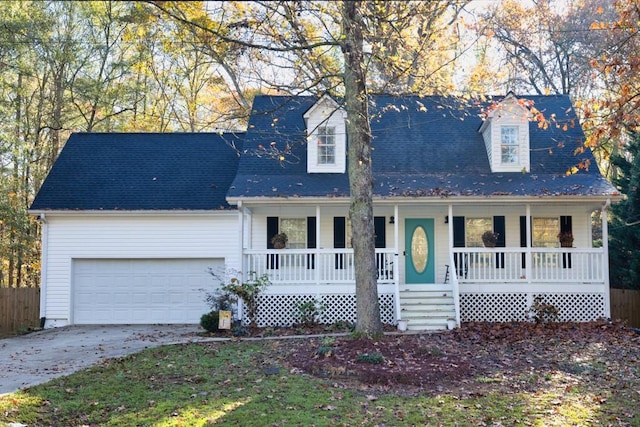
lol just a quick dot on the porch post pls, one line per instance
(396, 263)
(528, 269)
(452, 268)
(605, 259)
(317, 263)
(240, 252)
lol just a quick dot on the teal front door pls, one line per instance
(419, 250)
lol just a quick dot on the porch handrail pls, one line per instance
(509, 265)
(316, 265)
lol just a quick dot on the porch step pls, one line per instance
(427, 307)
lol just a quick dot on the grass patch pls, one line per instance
(248, 383)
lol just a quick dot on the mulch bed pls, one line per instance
(513, 356)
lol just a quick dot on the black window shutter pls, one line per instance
(458, 232)
(272, 230)
(459, 241)
(379, 224)
(523, 238)
(565, 224)
(339, 232)
(499, 228)
(311, 241)
(339, 238)
(566, 227)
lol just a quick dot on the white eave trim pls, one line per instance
(430, 200)
(233, 211)
(324, 100)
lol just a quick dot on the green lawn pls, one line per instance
(247, 383)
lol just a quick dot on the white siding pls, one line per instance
(486, 136)
(510, 113)
(581, 217)
(145, 236)
(326, 113)
(258, 227)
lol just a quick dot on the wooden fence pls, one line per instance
(19, 309)
(625, 305)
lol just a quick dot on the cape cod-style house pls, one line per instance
(132, 222)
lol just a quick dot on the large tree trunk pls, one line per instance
(360, 173)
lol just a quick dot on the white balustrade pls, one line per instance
(321, 266)
(509, 265)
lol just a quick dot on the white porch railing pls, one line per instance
(315, 266)
(540, 265)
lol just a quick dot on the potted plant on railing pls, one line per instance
(279, 241)
(489, 239)
(566, 239)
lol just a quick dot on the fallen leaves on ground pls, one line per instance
(481, 356)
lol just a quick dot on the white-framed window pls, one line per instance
(545, 232)
(545, 235)
(473, 229)
(326, 137)
(326, 145)
(509, 145)
(296, 231)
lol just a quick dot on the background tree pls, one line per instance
(90, 66)
(615, 118)
(617, 109)
(546, 46)
(583, 48)
(625, 225)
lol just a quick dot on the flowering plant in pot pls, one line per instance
(566, 239)
(279, 240)
(490, 239)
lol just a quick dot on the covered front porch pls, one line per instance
(424, 276)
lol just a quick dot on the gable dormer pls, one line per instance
(506, 136)
(326, 137)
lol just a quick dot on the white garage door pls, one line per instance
(141, 291)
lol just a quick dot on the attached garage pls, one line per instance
(131, 223)
(129, 291)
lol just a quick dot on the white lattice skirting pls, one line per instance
(280, 310)
(507, 307)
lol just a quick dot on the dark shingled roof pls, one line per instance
(141, 171)
(423, 146)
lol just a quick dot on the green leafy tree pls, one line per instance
(624, 239)
(578, 48)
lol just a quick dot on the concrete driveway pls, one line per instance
(38, 357)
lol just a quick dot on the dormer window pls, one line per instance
(509, 145)
(505, 131)
(327, 145)
(326, 137)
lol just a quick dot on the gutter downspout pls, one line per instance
(605, 258)
(43, 269)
